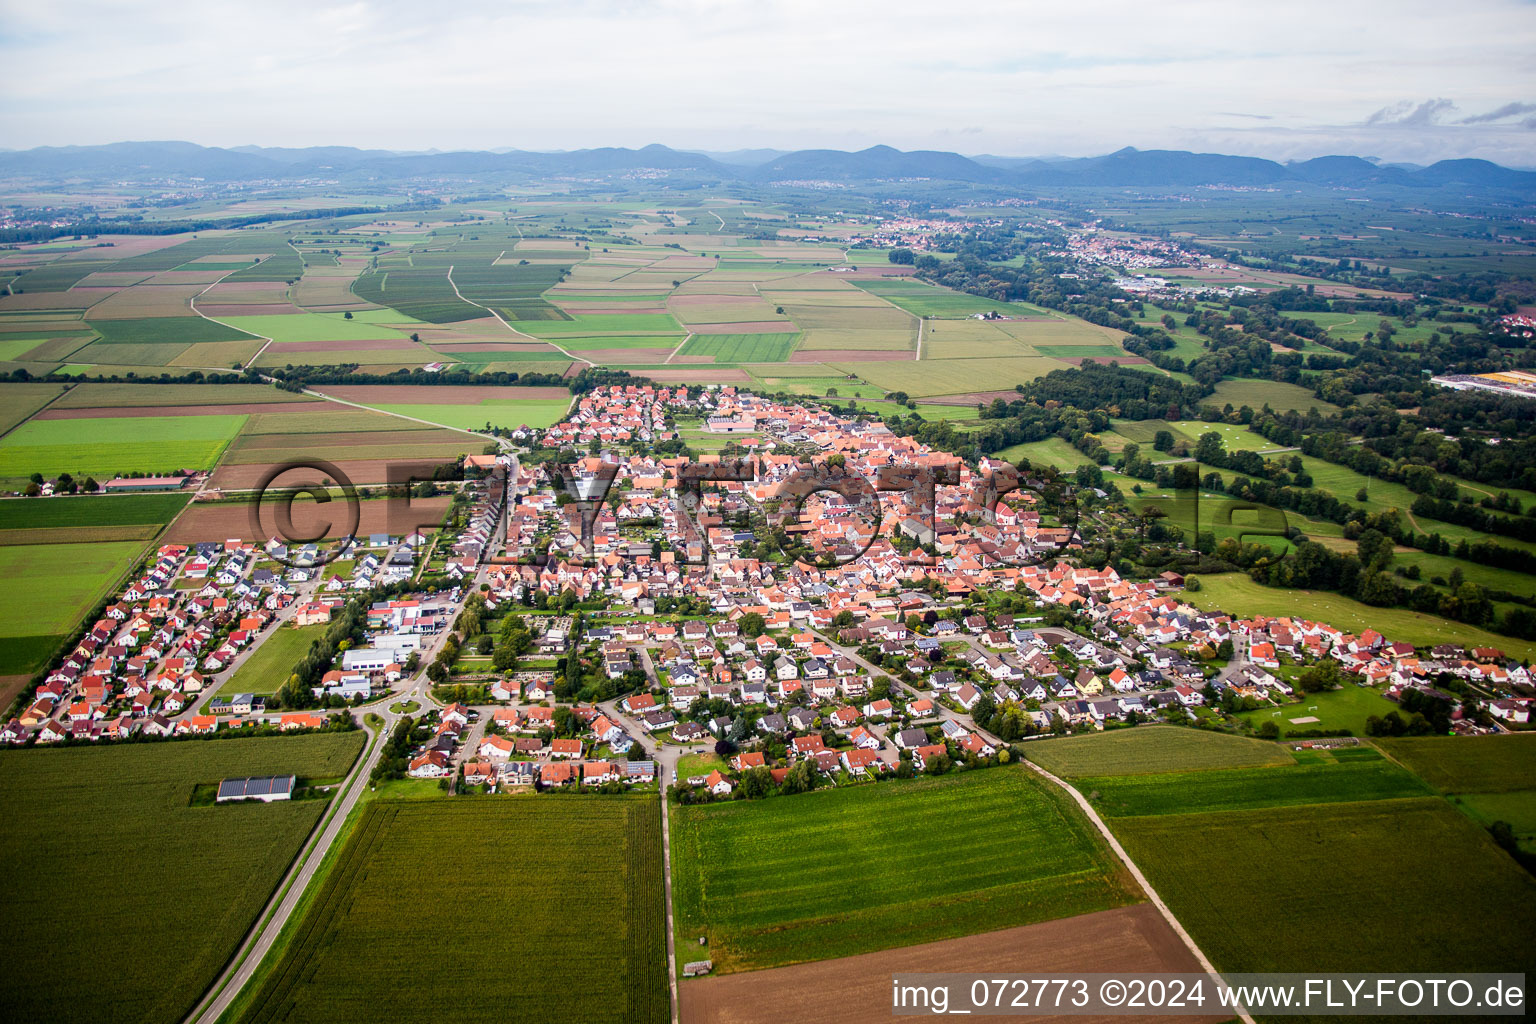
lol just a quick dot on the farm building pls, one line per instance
(266, 789)
(144, 483)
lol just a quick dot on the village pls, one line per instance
(652, 627)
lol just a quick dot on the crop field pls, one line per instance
(220, 521)
(106, 510)
(592, 324)
(48, 588)
(108, 446)
(312, 327)
(1150, 749)
(101, 811)
(742, 348)
(585, 888)
(165, 330)
(19, 401)
(787, 880)
(1237, 594)
(500, 412)
(1248, 788)
(951, 376)
(268, 668)
(103, 396)
(930, 300)
(422, 294)
(1332, 887)
(1477, 764)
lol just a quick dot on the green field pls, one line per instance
(49, 586)
(77, 819)
(1238, 595)
(558, 900)
(311, 327)
(1257, 393)
(1345, 708)
(103, 510)
(1340, 887)
(163, 330)
(269, 667)
(845, 871)
(591, 324)
(1469, 764)
(1150, 749)
(742, 348)
(512, 412)
(19, 401)
(931, 300)
(89, 396)
(1247, 788)
(106, 447)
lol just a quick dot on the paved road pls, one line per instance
(259, 942)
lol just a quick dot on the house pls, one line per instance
(495, 746)
(911, 739)
(925, 755)
(718, 784)
(565, 748)
(862, 762)
(596, 773)
(431, 765)
(844, 717)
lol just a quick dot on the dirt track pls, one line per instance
(857, 989)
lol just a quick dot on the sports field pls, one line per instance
(105, 447)
(838, 872)
(81, 821)
(555, 903)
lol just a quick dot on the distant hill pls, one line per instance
(1124, 168)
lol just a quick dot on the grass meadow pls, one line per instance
(81, 821)
(269, 667)
(552, 907)
(845, 871)
(1245, 788)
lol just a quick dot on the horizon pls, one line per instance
(1412, 82)
(1528, 165)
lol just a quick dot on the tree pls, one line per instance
(91, 486)
(1162, 440)
(347, 315)
(751, 625)
(756, 783)
(1375, 550)
(1269, 731)
(902, 256)
(1192, 584)
(484, 644)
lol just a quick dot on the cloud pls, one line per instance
(1254, 117)
(1407, 115)
(1506, 111)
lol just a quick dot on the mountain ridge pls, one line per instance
(1127, 167)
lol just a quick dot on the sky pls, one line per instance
(1403, 80)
